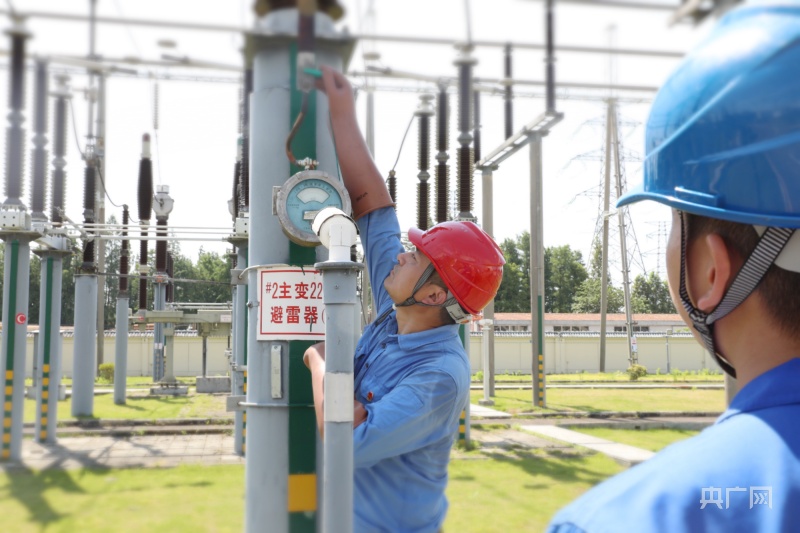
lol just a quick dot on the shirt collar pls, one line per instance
(773, 388)
(412, 341)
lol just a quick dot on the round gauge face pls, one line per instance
(308, 198)
(303, 196)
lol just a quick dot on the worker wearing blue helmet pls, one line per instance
(723, 150)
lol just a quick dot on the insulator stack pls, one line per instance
(476, 132)
(59, 151)
(39, 154)
(465, 156)
(244, 181)
(508, 95)
(550, 76)
(145, 204)
(466, 166)
(145, 189)
(237, 169)
(392, 184)
(422, 202)
(423, 162)
(124, 265)
(170, 273)
(89, 181)
(464, 96)
(143, 273)
(442, 120)
(14, 133)
(442, 145)
(424, 113)
(161, 245)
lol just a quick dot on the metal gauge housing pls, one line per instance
(304, 195)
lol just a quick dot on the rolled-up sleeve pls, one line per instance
(414, 414)
(380, 236)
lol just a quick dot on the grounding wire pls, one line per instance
(127, 27)
(105, 190)
(403, 142)
(75, 130)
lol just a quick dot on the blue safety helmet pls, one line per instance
(723, 141)
(723, 136)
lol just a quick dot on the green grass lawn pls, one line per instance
(677, 376)
(648, 439)
(182, 499)
(487, 493)
(144, 407)
(518, 492)
(132, 382)
(593, 400)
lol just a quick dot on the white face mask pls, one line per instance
(789, 259)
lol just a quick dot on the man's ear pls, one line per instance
(433, 294)
(715, 275)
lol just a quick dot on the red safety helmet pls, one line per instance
(468, 260)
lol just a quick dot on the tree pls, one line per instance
(587, 298)
(651, 295)
(111, 290)
(514, 294)
(563, 275)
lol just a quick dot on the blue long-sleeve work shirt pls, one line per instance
(414, 388)
(741, 474)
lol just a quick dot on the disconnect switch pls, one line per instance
(275, 365)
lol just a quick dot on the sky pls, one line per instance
(194, 145)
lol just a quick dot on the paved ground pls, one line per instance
(152, 451)
(167, 445)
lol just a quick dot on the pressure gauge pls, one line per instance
(299, 200)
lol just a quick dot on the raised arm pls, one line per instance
(364, 183)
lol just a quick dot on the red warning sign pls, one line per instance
(21, 318)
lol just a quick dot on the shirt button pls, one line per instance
(367, 365)
(383, 345)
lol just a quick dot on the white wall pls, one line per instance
(563, 354)
(188, 356)
(573, 353)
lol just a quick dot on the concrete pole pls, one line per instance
(159, 302)
(49, 350)
(100, 209)
(488, 311)
(16, 232)
(280, 484)
(169, 362)
(604, 266)
(339, 296)
(537, 271)
(487, 325)
(121, 349)
(205, 354)
(239, 349)
(16, 277)
(84, 359)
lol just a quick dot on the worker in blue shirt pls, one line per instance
(411, 373)
(723, 151)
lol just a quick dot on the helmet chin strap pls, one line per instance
(451, 304)
(752, 272)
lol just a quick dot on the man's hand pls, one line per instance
(340, 94)
(359, 414)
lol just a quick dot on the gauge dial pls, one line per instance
(303, 196)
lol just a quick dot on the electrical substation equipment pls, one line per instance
(298, 201)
